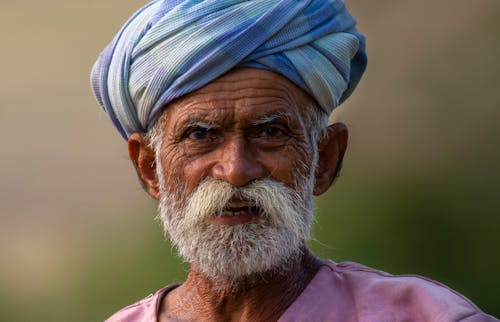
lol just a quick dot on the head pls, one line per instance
(224, 105)
(235, 165)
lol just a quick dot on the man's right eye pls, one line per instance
(200, 134)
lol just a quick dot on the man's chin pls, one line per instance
(228, 254)
(243, 273)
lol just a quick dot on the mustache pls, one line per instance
(278, 204)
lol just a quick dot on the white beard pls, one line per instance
(226, 253)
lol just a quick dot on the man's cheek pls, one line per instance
(293, 158)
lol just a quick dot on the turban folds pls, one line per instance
(172, 47)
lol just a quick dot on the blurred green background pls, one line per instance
(419, 192)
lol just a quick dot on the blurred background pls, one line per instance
(419, 191)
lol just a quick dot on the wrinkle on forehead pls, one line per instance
(257, 79)
(243, 94)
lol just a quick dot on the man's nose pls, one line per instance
(238, 164)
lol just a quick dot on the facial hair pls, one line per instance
(225, 253)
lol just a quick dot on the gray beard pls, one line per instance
(227, 254)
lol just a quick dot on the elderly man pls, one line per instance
(225, 107)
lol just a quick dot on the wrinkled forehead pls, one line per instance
(242, 94)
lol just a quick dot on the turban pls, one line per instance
(172, 47)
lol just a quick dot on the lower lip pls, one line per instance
(243, 218)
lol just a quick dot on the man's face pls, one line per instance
(244, 126)
(236, 169)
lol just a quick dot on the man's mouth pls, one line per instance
(237, 212)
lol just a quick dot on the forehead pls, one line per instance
(243, 94)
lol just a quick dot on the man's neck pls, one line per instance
(263, 297)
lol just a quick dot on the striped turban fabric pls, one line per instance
(172, 47)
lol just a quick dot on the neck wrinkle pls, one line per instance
(259, 297)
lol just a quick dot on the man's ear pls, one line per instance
(143, 158)
(331, 149)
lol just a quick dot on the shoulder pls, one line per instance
(144, 310)
(376, 293)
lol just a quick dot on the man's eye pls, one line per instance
(201, 134)
(198, 133)
(273, 132)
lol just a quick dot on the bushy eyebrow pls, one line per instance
(205, 125)
(272, 117)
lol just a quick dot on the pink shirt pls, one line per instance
(350, 292)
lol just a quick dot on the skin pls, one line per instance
(243, 126)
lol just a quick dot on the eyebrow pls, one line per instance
(205, 125)
(272, 117)
(190, 125)
(196, 124)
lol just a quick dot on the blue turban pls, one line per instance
(172, 47)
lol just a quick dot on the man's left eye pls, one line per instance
(273, 132)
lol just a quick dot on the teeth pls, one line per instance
(231, 213)
(242, 208)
